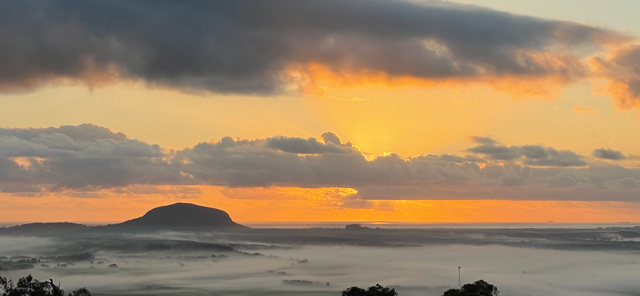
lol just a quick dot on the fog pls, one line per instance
(426, 269)
(22, 245)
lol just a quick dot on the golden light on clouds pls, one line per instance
(316, 79)
(243, 104)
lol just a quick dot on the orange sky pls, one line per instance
(416, 120)
(294, 204)
(431, 130)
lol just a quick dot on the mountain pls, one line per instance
(42, 228)
(181, 216)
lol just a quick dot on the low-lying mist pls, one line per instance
(304, 269)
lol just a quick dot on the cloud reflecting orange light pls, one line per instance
(315, 79)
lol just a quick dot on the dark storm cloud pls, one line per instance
(604, 153)
(246, 46)
(83, 159)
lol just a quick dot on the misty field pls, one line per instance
(327, 261)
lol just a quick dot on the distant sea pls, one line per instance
(391, 224)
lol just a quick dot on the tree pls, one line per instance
(28, 286)
(479, 288)
(80, 292)
(376, 290)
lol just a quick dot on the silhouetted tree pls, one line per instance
(479, 288)
(28, 286)
(376, 290)
(80, 292)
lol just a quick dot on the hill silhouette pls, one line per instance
(41, 228)
(182, 215)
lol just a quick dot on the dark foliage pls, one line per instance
(81, 292)
(376, 290)
(479, 288)
(28, 286)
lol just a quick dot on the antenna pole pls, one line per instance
(458, 276)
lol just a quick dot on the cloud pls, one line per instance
(533, 155)
(603, 153)
(483, 140)
(512, 180)
(579, 109)
(455, 158)
(80, 156)
(496, 152)
(259, 47)
(330, 137)
(546, 156)
(96, 161)
(80, 132)
(309, 146)
(621, 68)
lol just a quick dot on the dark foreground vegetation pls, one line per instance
(479, 288)
(28, 286)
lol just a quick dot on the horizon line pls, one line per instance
(381, 222)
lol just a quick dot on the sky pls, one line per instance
(468, 111)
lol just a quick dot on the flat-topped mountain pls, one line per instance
(183, 215)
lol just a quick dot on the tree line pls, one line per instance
(28, 286)
(478, 288)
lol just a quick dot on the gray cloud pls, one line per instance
(512, 180)
(455, 158)
(545, 156)
(35, 161)
(330, 137)
(80, 156)
(496, 152)
(80, 132)
(484, 140)
(603, 153)
(247, 46)
(309, 146)
(533, 155)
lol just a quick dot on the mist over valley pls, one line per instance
(190, 256)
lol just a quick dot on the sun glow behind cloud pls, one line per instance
(59, 171)
(406, 88)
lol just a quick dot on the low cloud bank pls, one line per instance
(88, 157)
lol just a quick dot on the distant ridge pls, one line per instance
(181, 216)
(40, 227)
